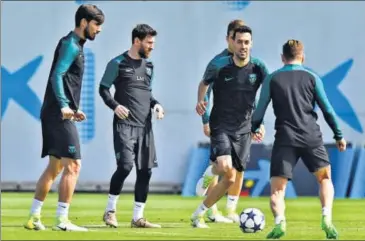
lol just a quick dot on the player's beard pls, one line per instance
(87, 33)
(142, 53)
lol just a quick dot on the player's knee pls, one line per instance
(71, 167)
(54, 168)
(229, 177)
(323, 174)
(224, 164)
(124, 169)
(143, 176)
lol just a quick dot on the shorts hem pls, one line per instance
(78, 157)
(289, 177)
(315, 170)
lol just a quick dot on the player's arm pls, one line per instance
(208, 78)
(67, 53)
(264, 72)
(206, 115)
(326, 108)
(110, 74)
(264, 100)
(154, 104)
(153, 100)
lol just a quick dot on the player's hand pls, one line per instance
(79, 116)
(341, 145)
(121, 112)
(259, 136)
(206, 130)
(67, 113)
(159, 111)
(201, 107)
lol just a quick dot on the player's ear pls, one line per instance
(136, 41)
(303, 58)
(83, 23)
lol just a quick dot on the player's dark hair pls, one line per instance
(241, 29)
(292, 49)
(89, 12)
(141, 31)
(234, 24)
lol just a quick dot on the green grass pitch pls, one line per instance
(173, 212)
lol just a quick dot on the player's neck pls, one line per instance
(241, 63)
(294, 62)
(79, 33)
(133, 53)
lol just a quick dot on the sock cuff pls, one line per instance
(139, 204)
(65, 205)
(38, 202)
(232, 197)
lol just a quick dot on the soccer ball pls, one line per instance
(252, 220)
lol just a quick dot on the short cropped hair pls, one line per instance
(293, 49)
(141, 31)
(89, 12)
(234, 24)
(242, 29)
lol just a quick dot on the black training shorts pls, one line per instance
(285, 158)
(236, 145)
(134, 145)
(60, 138)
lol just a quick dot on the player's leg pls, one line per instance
(283, 161)
(240, 157)
(218, 140)
(213, 214)
(71, 171)
(43, 186)
(317, 162)
(145, 160)
(210, 180)
(67, 146)
(234, 192)
(124, 144)
(221, 153)
(277, 205)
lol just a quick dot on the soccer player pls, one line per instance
(59, 111)
(132, 76)
(294, 91)
(207, 183)
(236, 79)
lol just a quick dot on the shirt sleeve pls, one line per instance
(264, 72)
(210, 73)
(153, 100)
(326, 108)
(264, 100)
(66, 55)
(110, 74)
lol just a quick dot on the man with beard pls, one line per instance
(132, 76)
(236, 80)
(59, 111)
(207, 182)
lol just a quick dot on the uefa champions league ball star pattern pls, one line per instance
(252, 220)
